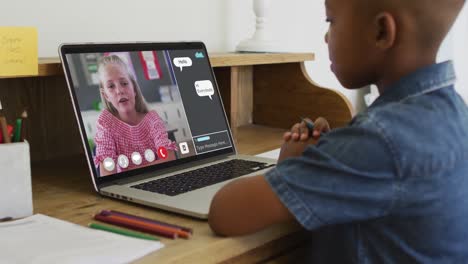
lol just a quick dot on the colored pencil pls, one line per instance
(310, 125)
(17, 132)
(24, 116)
(186, 229)
(121, 231)
(118, 222)
(4, 127)
(150, 226)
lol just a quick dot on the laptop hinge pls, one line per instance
(164, 171)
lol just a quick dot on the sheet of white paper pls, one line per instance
(42, 239)
(273, 154)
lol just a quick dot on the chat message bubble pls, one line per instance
(182, 62)
(204, 88)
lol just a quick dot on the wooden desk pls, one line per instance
(62, 189)
(263, 94)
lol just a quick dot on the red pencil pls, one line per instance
(118, 222)
(153, 226)
(113, 212)
(179, 232)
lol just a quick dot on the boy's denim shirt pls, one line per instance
(392, 186)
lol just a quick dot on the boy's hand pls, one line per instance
(292, 148)
(320, 126)
(301, 132)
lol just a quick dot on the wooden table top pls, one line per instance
(62, 189)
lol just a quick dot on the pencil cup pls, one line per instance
(15, 180)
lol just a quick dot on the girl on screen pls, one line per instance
(128, 135)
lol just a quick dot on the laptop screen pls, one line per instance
(145, 106)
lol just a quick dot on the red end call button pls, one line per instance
(162, 152)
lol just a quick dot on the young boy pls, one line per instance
(392, 186)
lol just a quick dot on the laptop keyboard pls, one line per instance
(199, 178)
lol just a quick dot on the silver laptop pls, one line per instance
(153, 125)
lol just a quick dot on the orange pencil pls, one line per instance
(140, 218)
(177, 231)
(4, 127)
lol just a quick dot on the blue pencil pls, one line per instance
(310, 125)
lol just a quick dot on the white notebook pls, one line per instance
(43, 239)
(272, 154)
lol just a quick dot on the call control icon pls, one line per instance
(162, 152)
(123, 161)
(149, 155)
(184, 148)
(136, 158)
(109, 164)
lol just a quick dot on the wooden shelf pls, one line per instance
(50, 67)
(266, 89)
(53, 66)
(246, 59)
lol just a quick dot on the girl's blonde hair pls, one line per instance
(140, 103)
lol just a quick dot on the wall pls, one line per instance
(117, 20)
(298, 24)
(454, 48)
(220, 24)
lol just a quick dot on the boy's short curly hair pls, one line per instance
(433, 18)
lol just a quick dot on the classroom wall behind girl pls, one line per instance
(299, 24)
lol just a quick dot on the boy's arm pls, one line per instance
(245, 206)
(249, 204)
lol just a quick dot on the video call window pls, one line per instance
(131, 109)
(141, 108)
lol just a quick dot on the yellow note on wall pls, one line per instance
(18, 51)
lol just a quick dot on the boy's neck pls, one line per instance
(401, 65)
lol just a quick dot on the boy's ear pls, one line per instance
(385, 30)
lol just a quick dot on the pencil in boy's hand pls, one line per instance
(317, 129)
(310, 125)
